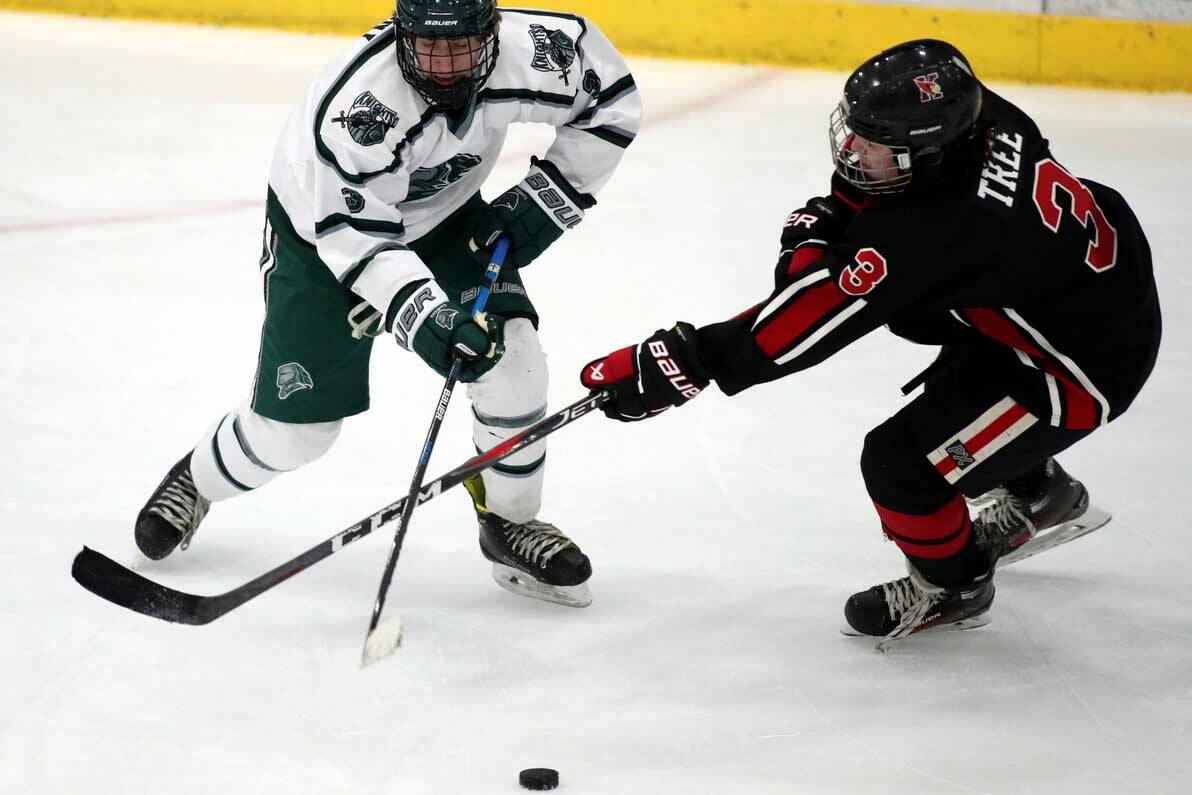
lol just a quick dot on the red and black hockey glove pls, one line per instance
(649, 378)
(823, 219)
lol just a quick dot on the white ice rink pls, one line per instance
(725, 537)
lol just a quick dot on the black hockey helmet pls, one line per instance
(919, 98)
(446, 48)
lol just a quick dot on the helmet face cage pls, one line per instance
(917, 102)
(868, 165)
(447, 70)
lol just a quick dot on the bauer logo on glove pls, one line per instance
(649, 378)
(533, 214)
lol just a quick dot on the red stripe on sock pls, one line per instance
(923, 535)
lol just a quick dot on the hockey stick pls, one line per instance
(383, 639)
(121, 586)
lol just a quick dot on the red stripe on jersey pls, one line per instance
(804, 257)
(751, 312)
(856, 205)
(991, 324)
(935, 535)
(1080, 408)
(788, 325)
(975, 443)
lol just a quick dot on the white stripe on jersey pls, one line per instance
(823, 331)
(788, 293)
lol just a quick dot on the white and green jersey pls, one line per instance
(364, 166)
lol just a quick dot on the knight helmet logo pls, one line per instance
(554, 51)
(960, 454)
(368, 120)
(929, 87)
(292, 377)
(353, 199)
(508, 200)
(444, 317)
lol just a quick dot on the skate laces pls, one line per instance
(900, 595)
(536, 541)
(180, 504)
(909, 602)
(1002, 522)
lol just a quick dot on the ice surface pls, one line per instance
(725, 537)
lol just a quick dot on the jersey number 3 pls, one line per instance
(860, 278)
(1051, 177)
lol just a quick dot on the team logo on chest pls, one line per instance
(929, 87)
(368, 120)
(426, 182)
(554, 51)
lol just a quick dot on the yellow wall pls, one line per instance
(1026, 47)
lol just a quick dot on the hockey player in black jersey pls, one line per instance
(950, 222)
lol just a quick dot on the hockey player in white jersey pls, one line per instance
(375, 225)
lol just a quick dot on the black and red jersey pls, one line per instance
(1022, 257)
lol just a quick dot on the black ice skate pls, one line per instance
(532, 559)
(172, 515)
(898, 609)
(1034, 513)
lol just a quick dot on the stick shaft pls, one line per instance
(432, 434)
(121, 586)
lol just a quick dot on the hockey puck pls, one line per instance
(538, 778)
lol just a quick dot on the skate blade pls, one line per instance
(522, 584)
(1092, 519)
(965, 623)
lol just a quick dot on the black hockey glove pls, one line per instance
(439, 330)
(534, 213)
(823, 219)
(649, 378)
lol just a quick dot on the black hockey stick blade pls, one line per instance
(109, 580)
